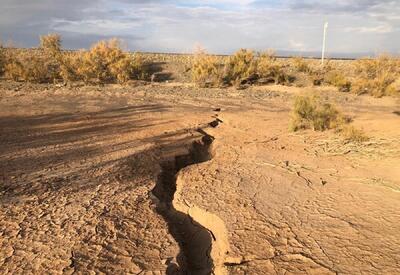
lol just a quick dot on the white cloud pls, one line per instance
(222, 26)
(376, 29)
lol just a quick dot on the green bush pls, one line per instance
(310, 112)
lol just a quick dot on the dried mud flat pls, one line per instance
(168, 178)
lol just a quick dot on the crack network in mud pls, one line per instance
(194, 239)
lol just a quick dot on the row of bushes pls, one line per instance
(378, 77)
(244, 67)
(105, 62)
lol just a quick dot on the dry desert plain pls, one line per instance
(167, 178)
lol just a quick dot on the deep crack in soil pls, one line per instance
(195, 240)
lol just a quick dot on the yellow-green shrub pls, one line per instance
(311, 112)
(241, 67)
(206, 71)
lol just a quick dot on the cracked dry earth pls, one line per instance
(136, 180)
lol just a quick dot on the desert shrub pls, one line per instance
(71, 68)
(206, 71)
(241, 67)
(337, 79)
(352, 134)
(375, 76)
(97, 62)
(270, 69)
(394, 87)
(129, 67)
(300, 64)
(378, 86)
(24, 66)
(105, 62)
(41, 65)
(311, 112)
(51, 43)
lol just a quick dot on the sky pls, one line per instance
(221, 26)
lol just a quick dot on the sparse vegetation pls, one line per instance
(311, 113)
(107, 62)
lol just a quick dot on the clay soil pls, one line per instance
(172, 179)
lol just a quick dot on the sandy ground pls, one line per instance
(136, 180)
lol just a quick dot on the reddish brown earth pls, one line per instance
(88, 175)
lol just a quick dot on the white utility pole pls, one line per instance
(324, 43)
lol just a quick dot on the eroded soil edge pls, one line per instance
(201, 235)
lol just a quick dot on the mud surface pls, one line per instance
(168, 178)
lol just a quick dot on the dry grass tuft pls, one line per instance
(352, 134)
(311, 113)
(206, 70)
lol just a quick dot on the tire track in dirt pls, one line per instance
(202, 236)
